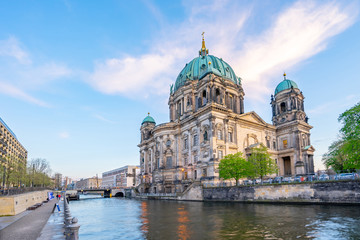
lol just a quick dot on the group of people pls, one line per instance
(58, 196)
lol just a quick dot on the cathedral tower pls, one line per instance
(292, 128)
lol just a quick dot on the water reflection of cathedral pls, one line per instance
(207, 122)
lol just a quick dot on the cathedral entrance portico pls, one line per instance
(287, 166)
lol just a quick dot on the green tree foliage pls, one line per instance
(262, 163)
(17, 174)
(344, 154)
(351, 136)
(234, 166)
(335, 158)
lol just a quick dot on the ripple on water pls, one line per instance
(119, 218)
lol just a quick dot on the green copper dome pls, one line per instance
(148, 119)
(285, 84)
(200, 66)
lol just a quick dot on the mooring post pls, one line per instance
(72, 232)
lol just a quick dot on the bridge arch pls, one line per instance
(119, 194)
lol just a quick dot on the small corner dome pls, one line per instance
(285, 84)
(148, 119)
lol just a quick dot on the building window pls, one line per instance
(168, 162)
(185, 161)
(230, 137)
(220, 154)
(285, 144)
(205, 136)
(217, 96)
(283, 107)
(204, 98)
(158, 162)
(179, 109)
(196, 140)
(219, 134)
(274, 145)
(204, 172)
(168, 143)
(268, 143)
(196, 159)
(186, 143)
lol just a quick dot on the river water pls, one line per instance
(121, 218)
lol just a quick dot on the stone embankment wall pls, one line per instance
(193, 193)
(12, 205)
(340, 192)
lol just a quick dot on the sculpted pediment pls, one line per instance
(309, 148)
(252, 117)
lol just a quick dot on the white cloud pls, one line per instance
(12, 91)
(64, 135)
(102, 118)
(19, 77)
(11, 47)
(297, 33)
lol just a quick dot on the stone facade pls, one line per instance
(13, 205)
(342, 192)
(89, 183)
(12, 153)
(207, 122)
(121, 177)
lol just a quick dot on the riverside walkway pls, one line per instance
(27, 225)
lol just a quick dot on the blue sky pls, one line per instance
(78, 77)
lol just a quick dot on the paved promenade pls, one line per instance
(27, 225)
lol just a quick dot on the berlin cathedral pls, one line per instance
(207, 122)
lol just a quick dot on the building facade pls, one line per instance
(89, 183)
(123, 177)
(58, 179)
(12, 153)
(207, 122)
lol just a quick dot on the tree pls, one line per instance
(344, 154)
(351, 136)
(262, 163)
(39, 171)
(234, 166)
(335, 158)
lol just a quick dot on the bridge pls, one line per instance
(105, 192)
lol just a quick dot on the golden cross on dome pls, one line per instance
(203, 41)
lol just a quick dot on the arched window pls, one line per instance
(231, 103)
(283, 107)
(179, 109)
(219, 134)
(196, 140)
(205, 136)
(186, 143)
(204, 99)
(199, 102)
(217, 95)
